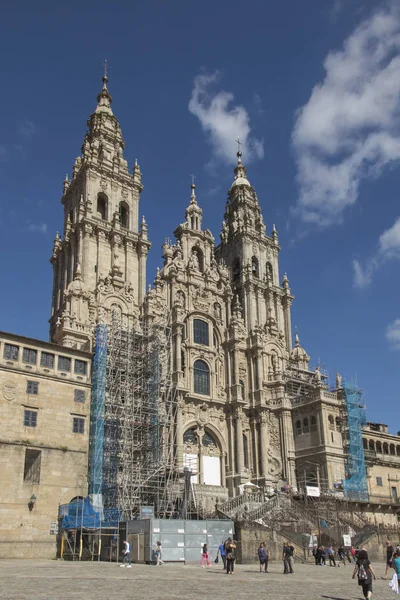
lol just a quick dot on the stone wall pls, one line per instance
(45, 461)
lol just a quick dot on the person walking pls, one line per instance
(315, 554)
(222, 553)
(389, 557)
(331, 556)
(127, 555)
(262, 557)
(323, 556)
(268, 555)
(205, 557)
(288, 559)
(342, 556)
(230, 548)
(157, 555)
(364, 572)
(353, 553)
(394, 583)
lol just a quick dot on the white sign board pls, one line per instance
(53, 528)
(312, 491)
(346, 540)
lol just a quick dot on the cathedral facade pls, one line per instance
(229, 309)
(249, 409)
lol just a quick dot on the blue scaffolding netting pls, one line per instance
(355, 485)
(96, 448)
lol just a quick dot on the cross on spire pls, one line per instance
(193, 179)
(106, 67)
(239, 143)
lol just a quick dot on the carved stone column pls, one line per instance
(178, 348)
(223, 469)
(288, 447)
(239, 444)
(264, 443)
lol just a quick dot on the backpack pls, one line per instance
(362, 573)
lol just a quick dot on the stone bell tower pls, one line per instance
(99, 263)
(260, 335)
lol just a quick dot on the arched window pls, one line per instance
(313, 423)
(236, 269)
(392, 449)
(254, 267)
(365, 444)
(385, 448)
(197, 257)
(190, 437)
(201, 378)
(331, 422)
(102, 206)
(371, 445)
(398, 450)
(297, 428)
(200, 332)
(379, 447)
(306, 427)
(338, 424)
(242, 390)
(245, 452)
(270, 272)
(124, 215)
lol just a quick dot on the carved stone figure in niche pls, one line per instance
(274, 362)
(217, 310)
(224, 232)
(180, 299)
(195, 260)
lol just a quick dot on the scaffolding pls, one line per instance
(133, 453)
(354, 417)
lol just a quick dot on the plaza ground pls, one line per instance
(57, 580)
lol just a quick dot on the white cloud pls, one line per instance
(222, 121)
(393, 334)
(350, 127)
(27, 128)
(388, 248)
(40, 227)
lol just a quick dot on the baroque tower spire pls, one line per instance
(101, 234)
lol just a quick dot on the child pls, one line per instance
(205, 557)
(365, 572)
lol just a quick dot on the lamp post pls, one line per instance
(31, 503)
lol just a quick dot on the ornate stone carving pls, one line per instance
(9, 390)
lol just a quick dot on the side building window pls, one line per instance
(11, 352)
(30, 418)
(32, 465)
(200, 332)
(79, 396)
(201, 378)
(80, 367)
(64, 363)
(78, 425)
(47, 360)
(29, 356)
(379, 482)
(32, 388)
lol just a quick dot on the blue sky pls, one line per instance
(313, 90)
